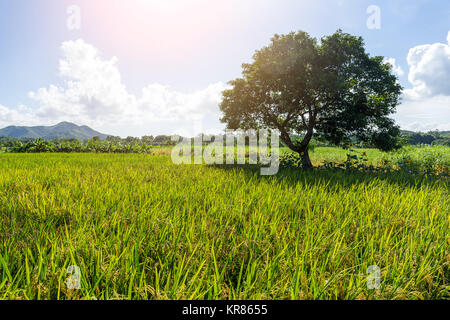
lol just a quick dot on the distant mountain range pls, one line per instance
(63, 130)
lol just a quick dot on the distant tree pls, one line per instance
(441, 142)
(421, 138)
(332, 90)
(161, 140)
(147, 140)
(130, 139)
(113, 138)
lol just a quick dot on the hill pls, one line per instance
(432, 137)
(63, 130)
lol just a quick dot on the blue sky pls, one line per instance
(148, 67)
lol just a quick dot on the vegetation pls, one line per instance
(333, 90)
(146, 144)
(430, 138)
(419, 160)
(96, 145)
(140, 227)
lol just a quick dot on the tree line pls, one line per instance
(110, 145)
(431, 138)
(113, 144)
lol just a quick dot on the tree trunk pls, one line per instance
(306, 161)
(302, 149)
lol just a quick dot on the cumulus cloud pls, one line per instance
(426, 106)
(8, 116)
(429, 70)
(397, 69)
(93, 93)
(92, 89)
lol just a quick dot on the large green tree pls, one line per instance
(331, 90)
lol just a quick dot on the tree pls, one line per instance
(162, 140)
(332, 90)
(421, 138)
(147, 140)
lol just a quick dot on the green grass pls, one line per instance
(140, 227)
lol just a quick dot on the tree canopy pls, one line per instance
(331, 90)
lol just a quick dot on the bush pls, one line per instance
(415, 160)
(290, 160)
(422, 159)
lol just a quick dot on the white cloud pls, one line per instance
(8, 116)
(426, 106)
(424, 114)
(397, 69)
(93, 94)
(429, 70)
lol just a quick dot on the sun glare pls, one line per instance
(168, 5)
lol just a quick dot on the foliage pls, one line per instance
(431, 138)
(423, 159)
(290, 160)
(110, 145)
(419, 160)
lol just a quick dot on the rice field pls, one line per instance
(139, 227)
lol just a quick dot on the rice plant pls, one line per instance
(139, 227)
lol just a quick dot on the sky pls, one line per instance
(148, 67)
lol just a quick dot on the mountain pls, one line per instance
(63, 130)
